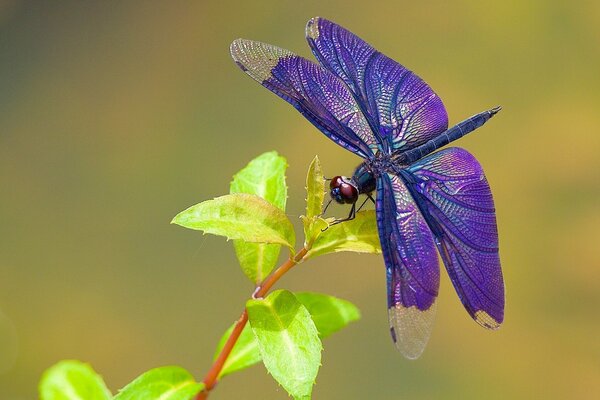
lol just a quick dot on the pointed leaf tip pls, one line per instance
(330, 314)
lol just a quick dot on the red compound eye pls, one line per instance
(349, 192)
(336, 181)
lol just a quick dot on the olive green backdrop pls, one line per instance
(114, 116)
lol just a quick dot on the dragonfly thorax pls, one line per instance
(364, 178)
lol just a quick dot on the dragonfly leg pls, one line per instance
(353, 211)
(350, 216)
(326, 206)
(364, 202)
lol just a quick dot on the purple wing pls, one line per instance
(401, 108)
(318, 94)
(451, 188)
(413, 274)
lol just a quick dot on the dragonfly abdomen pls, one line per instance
(450, 135)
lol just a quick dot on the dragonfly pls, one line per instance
(425, 198)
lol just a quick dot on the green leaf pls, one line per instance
(265, 177)
(72, 380)
(164, 383)
(357, 235)
(256, 259)
(315, 186)
(329, 313)
(315, 195)
(288, 341)
(244, 354)
(313, 228)
(240, 216)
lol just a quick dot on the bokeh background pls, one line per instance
(114, 116)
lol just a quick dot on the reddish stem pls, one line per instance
(210, 380)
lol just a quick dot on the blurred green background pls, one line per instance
(117, 115)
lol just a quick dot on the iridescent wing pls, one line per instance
(456, 200)
(400, 107)
(413, 273)
(318, 94)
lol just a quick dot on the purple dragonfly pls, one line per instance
(376, 108)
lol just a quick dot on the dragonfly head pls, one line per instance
(343, 190)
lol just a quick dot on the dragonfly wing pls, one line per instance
(411, 266)
(318, 94)
(452, 189)
(402, 108)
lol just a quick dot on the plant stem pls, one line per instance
(210, 380)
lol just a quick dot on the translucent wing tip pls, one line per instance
(257, 59)
(312, 28)
(410, 328)
(236, 46)
(486, 320)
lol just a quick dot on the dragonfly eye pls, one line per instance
(343, 191)
(349, 193)
(336, 195)
(336, 182)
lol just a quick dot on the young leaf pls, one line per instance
(164, 383)
(315, 195)
(357, 235)
(329, 313)
(244, 354)
(72, 380)
(240, 216)
(288, 341)
(315, 185)
(265, 177)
